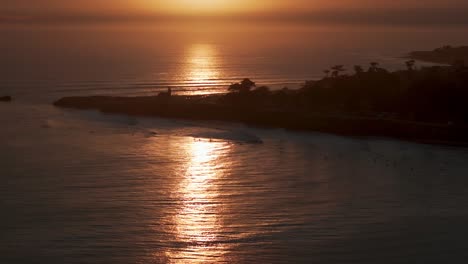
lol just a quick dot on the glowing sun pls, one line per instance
(201, 6)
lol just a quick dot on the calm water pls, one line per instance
(50, 63)
(83, 187)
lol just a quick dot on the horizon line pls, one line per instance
(415, 16)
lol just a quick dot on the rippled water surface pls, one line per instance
(89, 188)
(84, 187)
(48, 63)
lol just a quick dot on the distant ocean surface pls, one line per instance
(52, 62)
(86, 187)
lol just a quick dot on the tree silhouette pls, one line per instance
(247, 84)
(358, 69)
(336, 70)
(374, 67)
(244, 87)
(410, 64)
(428, 94)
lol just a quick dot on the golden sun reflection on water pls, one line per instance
(198, 221)
(202, 64)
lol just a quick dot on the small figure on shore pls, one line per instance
(166, 94)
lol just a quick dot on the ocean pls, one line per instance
(87, 187)
(51, 62)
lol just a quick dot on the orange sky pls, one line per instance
(371, 12)
(213, 6)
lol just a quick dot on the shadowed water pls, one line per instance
(90, 188)
(83, 187)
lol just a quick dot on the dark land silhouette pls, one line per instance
(425, 104)
(443, 55)
(166, 94)
(5, 99)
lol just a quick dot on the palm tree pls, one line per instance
(327, 73)
(374, 66)
(337, 69)
(410, 64)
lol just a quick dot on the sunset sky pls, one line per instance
(187, 6)
(347, 10)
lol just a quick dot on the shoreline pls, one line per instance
(446, 55)
(425, 105)
(209, 108)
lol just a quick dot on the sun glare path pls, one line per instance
(198, 220)
(202, 67)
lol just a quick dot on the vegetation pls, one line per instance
(243, 87)
(430, 94)
(425, 104)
